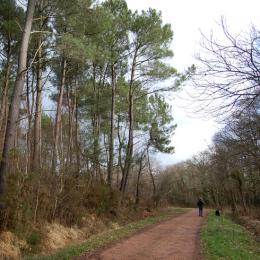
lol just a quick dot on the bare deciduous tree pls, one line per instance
(228, 74)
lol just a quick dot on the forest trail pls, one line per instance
(177, 238)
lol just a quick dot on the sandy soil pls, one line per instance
(177, 238)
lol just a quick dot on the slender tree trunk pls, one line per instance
(4, 99)
(130, 144)
(242, 194)
(99, 173)
(120, 164)
(29, 108)
(57, 127)
(96, 128)
(37, 142)
(233, 202)
(111, 137)
(70, 141)
(117, 175)
(151, 173)
(214, 196)
(17, 93)
(4, 109)
(94, 125)
(77, 137)
(137, 192)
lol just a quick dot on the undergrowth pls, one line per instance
(100, 240)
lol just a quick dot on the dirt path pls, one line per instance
(177, 238)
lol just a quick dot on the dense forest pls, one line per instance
(82, 107)
(84, 110)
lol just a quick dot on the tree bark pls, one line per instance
(130, 144)
(37, 143)
(70, 140)
(242, 194)
(4, 104)
(151, 174)
(120, 145)
(111, 137)
(96, 128)
(137, 192)
(17, 93)
(77, 136)
(57, 127)
(29, 108)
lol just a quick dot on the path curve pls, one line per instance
(177, 238)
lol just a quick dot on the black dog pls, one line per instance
(217, 213)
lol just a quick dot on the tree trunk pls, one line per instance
(130, 144)
(57, 127)
(29, 108)
(242, 194)
(120, 144)
(99, 173)
(137, 192)
(70, 140)
(96, 128)
(151, 174)
(77, 136)
(36, 163)
(111, 137)
(233, 202)
(17, 93)
(4, 99)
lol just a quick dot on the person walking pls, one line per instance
(200, 205)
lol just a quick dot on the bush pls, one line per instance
(101, 198)
(34, 240)
(35, 198)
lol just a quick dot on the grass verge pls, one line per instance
(223, 239)
(103, 239)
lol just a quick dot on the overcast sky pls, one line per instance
(187, 18)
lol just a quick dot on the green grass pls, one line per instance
(100, 240)
(223, 239)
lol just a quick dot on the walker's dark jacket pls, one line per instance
(200, 204)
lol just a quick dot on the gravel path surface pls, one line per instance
(177, 238)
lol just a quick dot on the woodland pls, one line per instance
(84, 111)
(88, 144)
